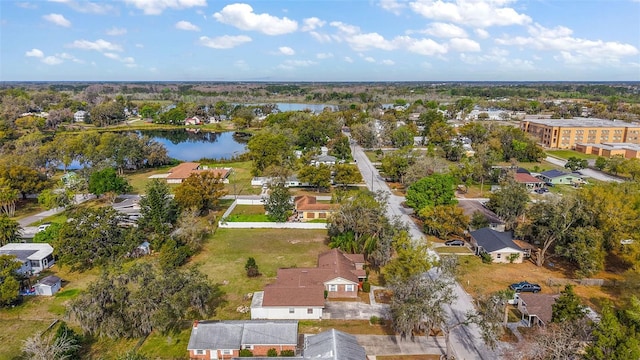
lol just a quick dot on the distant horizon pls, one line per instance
(435, 82)
(320, 41)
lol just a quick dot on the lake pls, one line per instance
(192, 146)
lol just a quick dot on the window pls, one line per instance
(333, 287)
(35, 263)
(498, 255)
(250, 347)
(292, 310)
(349, 288)
(311, 215)
(199, 352)
(310, 311)
(227, 352)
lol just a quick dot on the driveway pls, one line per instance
(347, 310)
(378, 345)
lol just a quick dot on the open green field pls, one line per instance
(566, 154)
(248, 213)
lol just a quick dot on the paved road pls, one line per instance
(26, 221)
(598, 175)
(466, 341)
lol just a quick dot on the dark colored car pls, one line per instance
(525, 286)
(542, 190)
(456, 242)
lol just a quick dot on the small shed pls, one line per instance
(48, 286)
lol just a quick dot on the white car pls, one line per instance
(43, 227)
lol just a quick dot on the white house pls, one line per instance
(34, 257)
(80, 116)
(499, 245)
(48, 286)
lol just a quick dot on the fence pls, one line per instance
(584, 282)
(262, 225)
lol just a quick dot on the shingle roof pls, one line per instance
(333, 345)
(526, 179)
(50, 280)
(233, 334)
(553, 173)
(306, 202)
(492, 240)
(539, 305)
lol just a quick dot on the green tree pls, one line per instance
(158, 208)
(612, 339)
(616, 164)
(575, 164)
(401, 137)
(251, 267)
(509, 202)
(409, 261)
(278, 204)
(478, 220)
(567, 307)
(54, 198)
(346, 174)
(268, 149)
(91, 238)
(395, 164)
(340, 148)
(9, 230)
(105, 181)
(364, 134)
(584, 246)
(8, 198)
(24, 179)
(48, 235)
(433, 190)
(108, 113)
(9, 284)
(318, 176)
(601, 163)
(201, 191)
(444, 221)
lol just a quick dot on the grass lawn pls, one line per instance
(139, 179)
(497, 277)
(26, 208)
(248, 213)
(566, 154)
(225, 254)
(453, 250)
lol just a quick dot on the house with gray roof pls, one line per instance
(225, 339)
(333, 345)
(33, 257)
(557, 177)
(499, 245)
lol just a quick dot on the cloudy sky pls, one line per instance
(320, 40)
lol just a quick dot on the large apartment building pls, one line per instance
(567, 133)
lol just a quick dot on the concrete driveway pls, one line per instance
(347, 310)
(378, 345)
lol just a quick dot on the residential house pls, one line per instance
(308, 208)
(184, 170)
(193, 121)
(471, 207)
(528, 180)
(300, 293)
(48, 286)
(499, 245)
(80, 116)
(33, 256)
(557, 177)
(225, 339)
(333, 345)
(536, 309)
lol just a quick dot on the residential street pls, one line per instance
(465, 340)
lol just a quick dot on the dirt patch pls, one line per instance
(508, 336)
(382, 296)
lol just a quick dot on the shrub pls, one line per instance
(513, 257)
(287, 353)
(374, 320)
(366, 286)
(486, 258)
(245, 353)
(252, 268)
(272, 352)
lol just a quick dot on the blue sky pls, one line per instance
(320, 40)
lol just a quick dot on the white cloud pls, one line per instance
(156, 7)
(223, 42)
(57, 19)
(444, 30)
(98, 45)
(26, 5)
(388, 62)
(139, 46)
(187, 26)
(242, 17)
(424, 46)
(482, 33)
(88, 7)
(392, 6)
(34, 53)
(369, 59)
(68, 56)
(285, 50)
(322, 38)
(52, 60)
(115, 31)
(348, 59)
(571, 49)
(359, 41)
(291, 64)
(475, 13)
(312, 23)
(127, 61)
(324, 55)
(463, 45)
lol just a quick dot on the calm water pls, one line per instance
(189, 146)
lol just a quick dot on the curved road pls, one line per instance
(466, 341)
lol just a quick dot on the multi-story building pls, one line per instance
(566, 133)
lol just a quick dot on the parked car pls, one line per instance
(456, 242)
(43, 227)
(525, 286)
(549, 184)
(541, 190)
